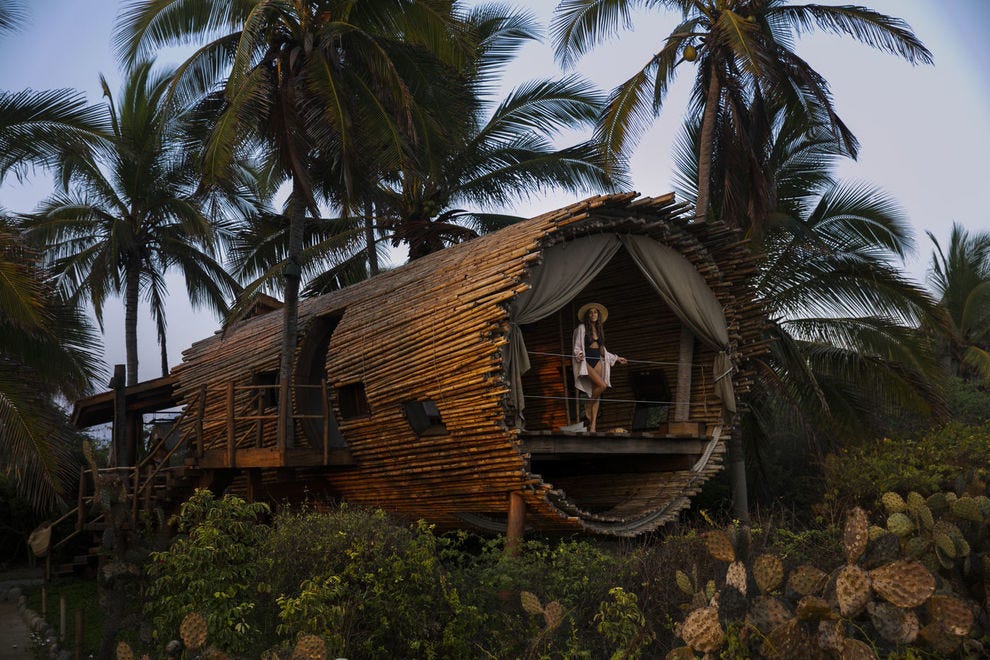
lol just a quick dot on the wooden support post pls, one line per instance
(253, 484)
(119, 433)
(78, 646)
(61, 618)
(283, 416)
(44, 602)
(230, 424)
(81, 500)
(516, 523)
(326, 420)
(199, 421)
(685, 361)
(134, 499)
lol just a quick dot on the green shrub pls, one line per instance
(954, 457)
(368, 586)
(213, 568)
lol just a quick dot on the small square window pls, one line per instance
(352, 401)
(424, 417)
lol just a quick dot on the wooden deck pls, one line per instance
(550, 445)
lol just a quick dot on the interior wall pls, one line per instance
(640, 327)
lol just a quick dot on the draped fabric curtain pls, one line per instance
(687, 294)
(566, 270)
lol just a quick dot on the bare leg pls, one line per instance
(597, 387)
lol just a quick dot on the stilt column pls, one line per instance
(516, 523)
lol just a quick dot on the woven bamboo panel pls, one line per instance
(433, 330)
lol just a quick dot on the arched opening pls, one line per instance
(310, 394)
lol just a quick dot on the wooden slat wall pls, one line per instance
(433, 330)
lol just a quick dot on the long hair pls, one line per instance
(594, 329)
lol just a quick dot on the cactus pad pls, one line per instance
(953, 615)
(768, 571)
(894, 624)
(767, 612)
(915, 501)
(310, 647)
(530, 602)
(124, 651)
(938, 503)
(856, 534)
(852, 590)
(942, 643)
(684, 582)
(854, 649)
(968, 509)
(719, 545)
(702, 631)
(893, 503)
(732, 605)
(193, 631)
(883, 550)
(807, 580)
(553, 614)
(831, 635)
(735, 576)
(904, 583)
(900, 524)
(788, 640)
(813, 608)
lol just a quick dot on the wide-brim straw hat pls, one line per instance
(602, 311)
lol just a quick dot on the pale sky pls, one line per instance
(924, 131)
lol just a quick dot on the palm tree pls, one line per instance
(961, 283)
(845, 344)
(132, 210)
(743, 50)
(320, 83)
(47, 351)
(501, 152)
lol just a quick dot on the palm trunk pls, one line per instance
(132, 284)
(290, 318)
(369, 237)
(164, 356)
(706, 147)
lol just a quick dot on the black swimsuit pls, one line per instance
(591, 355)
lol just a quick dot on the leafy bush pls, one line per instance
(954, 457)
(213, 569)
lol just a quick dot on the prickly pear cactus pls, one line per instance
(310, 647)
(702, 631)
(719, 545)
(807, 580)
(852, 590)
(856, 535)
(768, 571)
(124, 651)
(193, 631)
(904, 583)
(530, 603)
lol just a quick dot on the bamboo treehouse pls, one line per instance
(443, 389)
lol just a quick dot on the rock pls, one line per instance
(14, 593)
(173, 648)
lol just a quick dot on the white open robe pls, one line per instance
(581, 379)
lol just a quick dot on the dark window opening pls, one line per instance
(266, 383)
(424, 418)
(352, 401)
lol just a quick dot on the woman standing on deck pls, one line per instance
(591, 361)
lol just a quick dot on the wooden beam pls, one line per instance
(516, 523)
(611, 446)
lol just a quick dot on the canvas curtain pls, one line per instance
(570, 267)
(687, 294)
(566, 270)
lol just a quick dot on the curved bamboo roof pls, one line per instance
(433, 330)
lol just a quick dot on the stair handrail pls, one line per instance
(176, 424)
